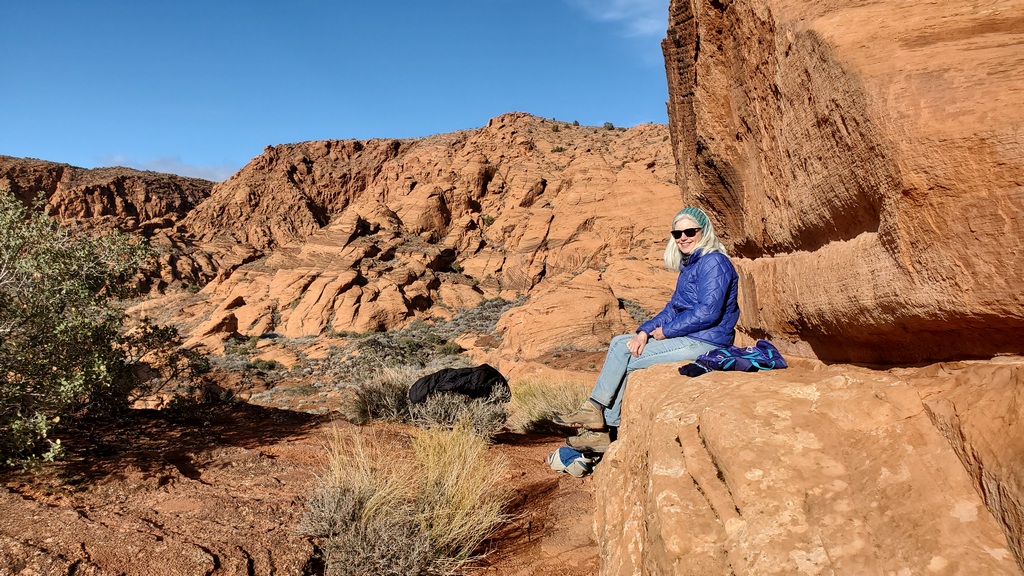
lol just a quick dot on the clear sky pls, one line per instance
(199, 87)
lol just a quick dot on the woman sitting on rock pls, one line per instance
(700, 317)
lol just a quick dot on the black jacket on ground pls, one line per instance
(475, 382)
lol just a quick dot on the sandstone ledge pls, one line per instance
(816, 470)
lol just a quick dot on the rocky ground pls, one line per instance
(220, 490)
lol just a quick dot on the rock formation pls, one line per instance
(864, 160)
(122, 198)
(146, 203)
(363, 236)
(816, 470)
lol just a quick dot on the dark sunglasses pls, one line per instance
(690, 233)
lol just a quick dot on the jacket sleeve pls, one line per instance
(713, 281)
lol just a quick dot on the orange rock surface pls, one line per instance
(864, 160)
(815, 470)
(366, 236)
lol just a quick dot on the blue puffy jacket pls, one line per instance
(704, 304)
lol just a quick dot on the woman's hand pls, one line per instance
(658, 334)
(636, 344)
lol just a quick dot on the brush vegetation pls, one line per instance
(535, 401)
(485, 416)
(377, 370)
(65, 348)
(380, 509)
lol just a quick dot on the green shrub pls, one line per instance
(635, 310)
(554, 128)
(609, 126)
(558, 149)
(63, 347)
(575, 122)
(265, 365)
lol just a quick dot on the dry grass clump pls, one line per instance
(381, 511)
(460, 500)
(382, 396)
(535, 401)
(485, 416)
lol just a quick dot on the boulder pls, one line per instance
(813, 470)
(580, 313)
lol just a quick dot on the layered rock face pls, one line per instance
(864, 161)
(368, 235)
(816, 470)
(350, 235)
(122, 198)
(139, 202)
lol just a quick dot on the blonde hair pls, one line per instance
(708, 241)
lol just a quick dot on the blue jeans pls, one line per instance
(618, 363)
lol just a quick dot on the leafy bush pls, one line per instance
(62, 345)
(378, 511)
(558, 149)
(609, 126)
(534, 402)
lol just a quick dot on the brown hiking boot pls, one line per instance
(589, 416)
(590, 441)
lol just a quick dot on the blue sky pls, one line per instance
(200, 87)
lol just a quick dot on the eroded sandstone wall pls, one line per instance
(141, 202)
(816, 470)
(864, 162)
(367, 235)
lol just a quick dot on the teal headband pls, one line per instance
(695, 214)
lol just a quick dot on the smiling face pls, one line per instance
(687, 244)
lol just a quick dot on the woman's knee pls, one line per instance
(620, 340)
(617, 347)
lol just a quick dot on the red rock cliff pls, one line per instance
(864, 160)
